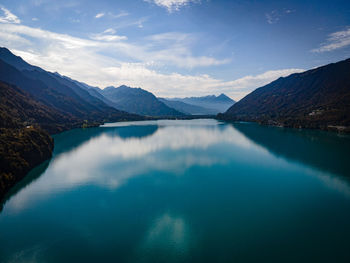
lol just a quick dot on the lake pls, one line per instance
(183, 191)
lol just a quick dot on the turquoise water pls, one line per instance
(184, 191)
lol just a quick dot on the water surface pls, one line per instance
(183, 191)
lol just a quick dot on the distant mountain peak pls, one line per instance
(223, 96)
(109, 88)
(124, 87)
(214, 104)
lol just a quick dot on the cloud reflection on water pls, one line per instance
(168, 238)
(109, 160)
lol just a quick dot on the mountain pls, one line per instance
(15, 61)
(23, 144)
(317, 98)
(93, 91)
(34, 103)
(186, 108)
(57, 92)
(139, 101)
(19, 109)
(213, 104)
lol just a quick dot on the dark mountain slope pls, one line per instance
(34, 103)
(23, 144)
(39, 90)
(21, 149)
(81, 91)
(318, 98)
(213, 104)
(15, 61)
(19, 109)
(57, 91)
(93, 91)
(46, 89)
(139, 101)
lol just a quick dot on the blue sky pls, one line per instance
(177, 47)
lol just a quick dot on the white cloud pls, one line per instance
(172, 5)
(112, 15)
(275, 15)
(108, 35)
(335, 41)
(99, 15)
(136, 156)
(108, 59)
(8, 17)
(35, 19)
(110, 31)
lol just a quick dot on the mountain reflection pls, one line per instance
(111, 155)
(108, 156)
(64, 143)
(323, 150)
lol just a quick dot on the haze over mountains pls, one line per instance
(206, 105)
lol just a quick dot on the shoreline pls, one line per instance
(293, 124)
(9, 179)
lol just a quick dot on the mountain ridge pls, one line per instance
(317, 98)
(213, 104)
(138, 101)
(55, 91)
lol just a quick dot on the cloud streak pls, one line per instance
(8, 17)
(107, 59)
(99, 15)
(275, 15)
(172, 5)
(108, 35)
(335, 41)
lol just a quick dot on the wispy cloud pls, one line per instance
(272, 17)
(82, 59)
(108, 35)
(112, 15)
(99, 15)
(335, 41)
(110, 31)
(172, 5)
(8, 17)
(107, 59)
(121, 14)
(275, 15)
